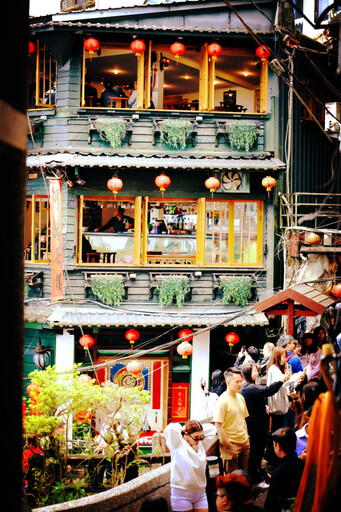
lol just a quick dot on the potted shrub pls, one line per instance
(175, 132)
(242, 134)
(112, 130)
(237, 289)
(173, 287)
(108, 288)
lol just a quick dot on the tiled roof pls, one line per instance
(68, 159)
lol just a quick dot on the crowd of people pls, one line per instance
(259, 410)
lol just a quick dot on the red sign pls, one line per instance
(180, 402)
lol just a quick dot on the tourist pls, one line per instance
(230, 415)
(289, 343)
(188, 464)
(234, 493)
(285, 479)
(155, 503)
(267, 351)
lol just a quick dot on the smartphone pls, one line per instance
(289, 368)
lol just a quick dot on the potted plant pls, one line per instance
(242, 134)
(108, 288)
(175, 132)
(173, 287)
(112, 130)
(237, 289)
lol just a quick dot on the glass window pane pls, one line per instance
(245, 232)
(217, 226)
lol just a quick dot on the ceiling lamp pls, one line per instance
(212, 184)
(268, 182)
(263, 52)
(42, 355)
(177, 49)
(138, 47)
(86, 341)
(91, 45)
(184, 349)
(336, 291)
(115, 184)
(132, 335)
(312, 239)
(162, 181)
(232, 339)
(134, 367)
(214, 50)
(186, 334)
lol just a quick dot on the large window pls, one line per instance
(147, 231)
(37, 229)
(42, 76)
(158, 79)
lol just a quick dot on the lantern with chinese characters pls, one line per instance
(91, 45)
(132, 335)
(184, 349)
(214, 50)
(263, 52)
(115, 184)
(212, 184)
(134, 367)
(336, 291)
(31, 47)
(312, 239)
(177, 49)
(186, 334)
(162, 181)
(86, 341)
(232, 339)
(138, 47)
(268, 182)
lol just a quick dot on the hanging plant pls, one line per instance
(175, 132)
(109, 289)
(170, 287)
(111, 130)
(242, 134)
(237, 289)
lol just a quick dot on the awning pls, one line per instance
(138, 162)
(67, 316)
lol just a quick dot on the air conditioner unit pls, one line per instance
(333, 111)
(232, 182)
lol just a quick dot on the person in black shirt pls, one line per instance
(118, 222)
(286, 478)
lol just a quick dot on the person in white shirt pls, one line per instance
(188, 465)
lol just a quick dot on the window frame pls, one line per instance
(33, 198)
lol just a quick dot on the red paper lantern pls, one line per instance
(31, 47)
(134, 367)
(33, 390)
(186, 334)
(184, 349)
(162, 181)
(336, 291)
(91, 45)
(212, 184)
(86, 341)
(132, 335)
(214, 50)
(177, 49)
(232, 339)
(263, 52)
(312, 239)
(115, 184)
(138, 47)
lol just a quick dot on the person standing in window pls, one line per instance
(119, 222)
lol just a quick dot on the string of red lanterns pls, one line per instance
(177, 49)
(336, 290)
(86, 341)
(263, 52)
(31, 47)
(138, 47)
(186, 334)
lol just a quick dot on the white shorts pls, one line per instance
(182, 500)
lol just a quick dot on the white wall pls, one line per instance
(65, 350)
(42, 7)
(200, 369)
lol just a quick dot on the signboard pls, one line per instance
(180, 402)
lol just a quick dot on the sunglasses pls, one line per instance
(196, 438)
(219, 495)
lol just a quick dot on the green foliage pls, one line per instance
(112, 130)
(242, 134)
(108, 288)
(55, 403)
(174, 132)
(173, 286)
(237, 289)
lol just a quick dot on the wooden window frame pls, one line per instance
(33, 199)
(43, 74)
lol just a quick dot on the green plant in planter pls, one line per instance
(173, 286)
(111, 130)
(174, 132)
(237, 289)
(109, 289)
(242, 134)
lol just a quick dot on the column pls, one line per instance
(65, 351)
(200, 369)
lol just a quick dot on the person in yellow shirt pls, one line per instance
(230, 415)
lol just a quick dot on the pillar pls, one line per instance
(200, 370)
(65, 351)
